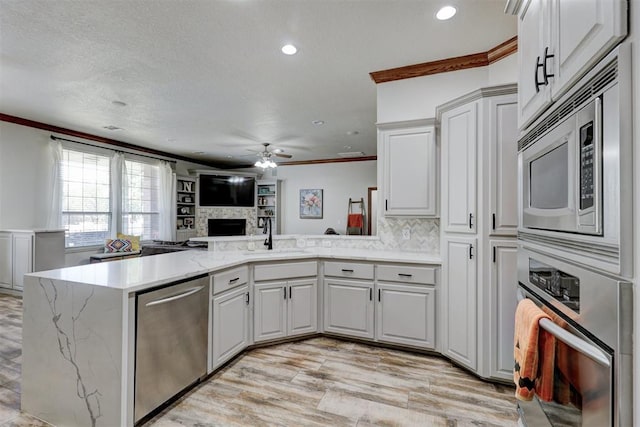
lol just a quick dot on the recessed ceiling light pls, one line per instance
(353, 132)
(446, 12)
(229, 156)
(112, 127)
(289, 49)
(119, 103)
(318, 122)
(347, 147)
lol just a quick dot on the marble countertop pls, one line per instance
(140, 273)
(33, 230)
(282, 237)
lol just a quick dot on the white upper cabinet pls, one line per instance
(459, 180)
(409, 169)
(533, 35)
(503, 150)
(582, 32)
(558, 42)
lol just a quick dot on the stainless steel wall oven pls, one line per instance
(593, 326)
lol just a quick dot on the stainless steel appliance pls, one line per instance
(171, 342)
(575, 172)
(593, 325)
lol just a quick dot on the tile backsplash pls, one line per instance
(424, 234)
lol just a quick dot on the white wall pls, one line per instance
(418, 97)
(339, 181)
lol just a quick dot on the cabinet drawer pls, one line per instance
(229, 279)
(348, 269)
(285, 270)
(405, 274)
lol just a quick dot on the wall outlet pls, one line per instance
(406, 233)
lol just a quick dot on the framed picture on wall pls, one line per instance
(311, 204)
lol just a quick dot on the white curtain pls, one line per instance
(166, 201)
(118, 189)
(54, 216)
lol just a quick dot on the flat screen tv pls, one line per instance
(225, 190)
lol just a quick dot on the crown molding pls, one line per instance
(484, 92)
(457, 63)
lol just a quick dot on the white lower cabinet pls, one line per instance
(23, 252)
(405, 314)
(348, 307)
(502, 307)
(230, 324)
(285, 308)
(6, 260)
(459, 301)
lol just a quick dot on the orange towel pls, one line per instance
(355, 220)
(528, 368)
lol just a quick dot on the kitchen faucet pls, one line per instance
(268, 242)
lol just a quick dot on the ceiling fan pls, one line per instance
(265, 157)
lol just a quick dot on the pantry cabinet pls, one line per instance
(558, 42)
(479, 204)
(409, 168)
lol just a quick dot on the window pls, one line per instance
(140, 211)
(86, 207)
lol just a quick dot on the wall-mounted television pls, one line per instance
(227, 190)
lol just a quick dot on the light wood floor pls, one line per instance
(315, 382)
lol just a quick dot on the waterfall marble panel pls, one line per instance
(72, 353)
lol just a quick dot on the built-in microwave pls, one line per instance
(562, 175)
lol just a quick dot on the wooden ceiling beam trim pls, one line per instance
(503, 50)
(474, 60)
(113, 142)
(320, 161)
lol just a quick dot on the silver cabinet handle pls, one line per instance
(185, 294)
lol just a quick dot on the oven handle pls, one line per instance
(571, 340)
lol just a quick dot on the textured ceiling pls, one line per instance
(208, 76)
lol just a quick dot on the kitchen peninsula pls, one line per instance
(79, 326)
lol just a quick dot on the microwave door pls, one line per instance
(548, 180)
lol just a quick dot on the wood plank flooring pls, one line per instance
(316, 382)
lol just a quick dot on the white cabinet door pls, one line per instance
(503, 165)
(582, 33)
(348, 307)
(504, 281)
(409, 164)
(230, 326)
(22, 258)
(460, 301)
(533, 38)
(269, 311)
(302, 312)
(6, 260)
(459, 181)
(405, 314)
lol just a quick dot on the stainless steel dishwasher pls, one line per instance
(171, 342)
